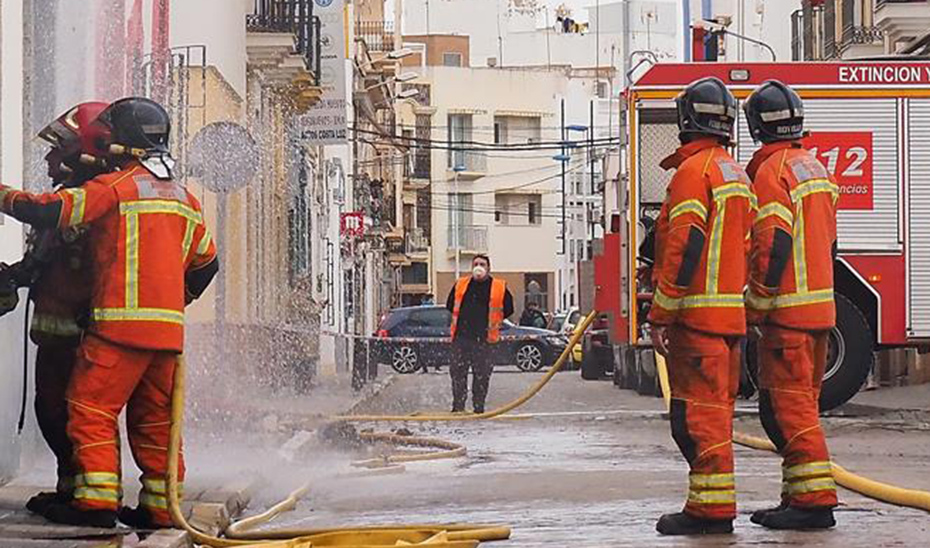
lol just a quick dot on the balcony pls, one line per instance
(290, 23)
(416, 242)
(377, 35)
(468, 164)
(283, 42)
(902, 20)
(861, 42)
(471, 240)
(414, 278)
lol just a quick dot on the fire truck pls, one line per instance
(869, 124)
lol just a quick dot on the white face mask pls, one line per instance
(479, 272)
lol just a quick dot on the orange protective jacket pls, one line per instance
(147, 238)
(62, 292)
(794, 239)
(495, 307)
(702, 241)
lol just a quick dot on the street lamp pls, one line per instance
(400, 78)
(716, 28)
(408, 93)
(458, 168)
(400, 53)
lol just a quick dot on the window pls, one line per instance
(517, 130)
(414, 274)
(434, 317)
(451, 59)
(459, 134)
(298, 217)
(518, 209)
(460, 209)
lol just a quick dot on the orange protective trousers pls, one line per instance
(704, 371)
(106, 378)
(791, 369)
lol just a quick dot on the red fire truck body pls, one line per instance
(870, 126)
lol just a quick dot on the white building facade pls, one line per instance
(496, 184)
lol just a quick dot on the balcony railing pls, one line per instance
(291, 16)
(881, 2)
(469, 161)
(377, 35)
(416, 241)
(472, 239)
(863, 35)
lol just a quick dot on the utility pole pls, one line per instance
(456, 228)
(563, 155)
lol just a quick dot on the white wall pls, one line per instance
(220, 24)
(768, 21)
(11, 169)
(513, 248)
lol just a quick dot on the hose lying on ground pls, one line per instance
(453, 417)
(439, 536)
(449, 450)
(864, 486)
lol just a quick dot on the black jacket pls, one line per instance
(473, 316)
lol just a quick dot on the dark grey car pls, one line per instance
(416, 337)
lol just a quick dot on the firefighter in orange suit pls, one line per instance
(55, 269)
(698, 317)
(791, 299)
(151, 254)
(479, 304)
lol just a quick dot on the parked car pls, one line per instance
(565, 321)
(413, 337)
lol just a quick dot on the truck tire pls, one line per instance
(590, 369)
(850, 357)
(648, 384)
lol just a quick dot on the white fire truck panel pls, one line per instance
(918, 319)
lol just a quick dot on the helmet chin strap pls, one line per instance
(161, 166)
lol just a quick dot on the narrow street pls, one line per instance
(598, 466)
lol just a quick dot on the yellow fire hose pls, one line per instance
(449, 450)
(453, 536)
(438, 536)
(451, 417)
(882, 492)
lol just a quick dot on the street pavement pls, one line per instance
(594, 467)
(598, 467)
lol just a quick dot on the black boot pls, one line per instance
(69, 515)
(759, 515)
(40, 502)
(139, 518)
(684, 524)
(800, 519)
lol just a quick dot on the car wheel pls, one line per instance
(405, 360)
(849, 357)
(529, 357)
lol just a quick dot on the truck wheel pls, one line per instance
(590, 369)
(850, 357)
(648, 384)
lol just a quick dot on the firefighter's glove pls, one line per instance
(9, 296)
(659, 337)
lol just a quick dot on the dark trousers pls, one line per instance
(54, 363)
(473, 355)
